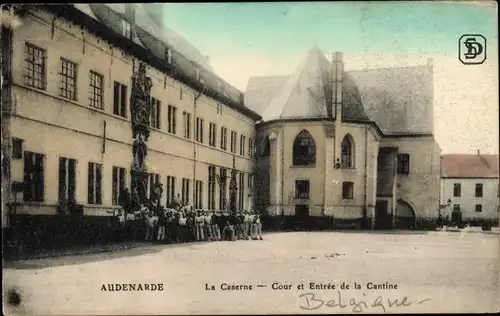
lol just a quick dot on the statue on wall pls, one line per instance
(140, 151)
(140, 102)
(140, 111)
(233, 189)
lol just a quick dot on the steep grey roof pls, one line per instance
(399, 100)
(153, 18)
(261, 90)
(149, 32)
(149, 17)
(304, 94)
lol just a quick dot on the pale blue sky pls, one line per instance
(260, 39)
(272, 28)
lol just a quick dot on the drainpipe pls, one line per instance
(194, 147)
(365, 179)
(282, 140)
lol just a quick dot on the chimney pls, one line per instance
(130, 12)
(430, 64)
(478, 153)
(337, 77)
(207, 58)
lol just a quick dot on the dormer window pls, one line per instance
(126, 29)
(168, 55)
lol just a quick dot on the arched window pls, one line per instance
(347, 152)
(304, 150)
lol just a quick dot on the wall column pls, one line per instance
(276, 157)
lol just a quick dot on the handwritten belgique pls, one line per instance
(309, 301)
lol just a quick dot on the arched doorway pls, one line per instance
(405, 216)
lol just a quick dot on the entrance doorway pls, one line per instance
(302, 218)
(383, 219)
(405, 216)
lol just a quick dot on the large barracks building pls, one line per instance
(96, 98)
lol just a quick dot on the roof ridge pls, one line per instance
(381, 68)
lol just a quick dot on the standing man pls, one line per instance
(208, 226)
(213, 227)
(258, 226)
(199, 225)
(162, 222)
(178, 201)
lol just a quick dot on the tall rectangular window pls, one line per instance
(479, 208)
(212, 137)
(154, 179)
(403, 163)
(242, 145)
(223, 189)
(96, 90)
(118, 184)
(35, 67)
(120, 99)
(223, 138)
(302, 189)
(233, 141)
(126, 29)
(67, 180)
(456, 207)
(94, 183)
(34, 182)
(199, 130)
(17, 148)
(185, 191)
(155, 113)
(241, 191)
(187, 124)
(211, 187)
(172, 119)
(198, 195)
(250, 147)
(457, 189)
(347, 190)
(479, 190)
(250, 180)
(170, 189)
(67, 88)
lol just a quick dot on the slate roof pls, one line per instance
(398, 100)
(469, 166)
(304, 94)
(149, 32)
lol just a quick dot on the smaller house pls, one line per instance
(469, 188)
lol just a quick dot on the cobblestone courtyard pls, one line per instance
(435, 271)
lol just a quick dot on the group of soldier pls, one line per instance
(178, 223)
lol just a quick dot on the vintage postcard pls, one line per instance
(250, 158)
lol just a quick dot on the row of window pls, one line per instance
(35, 76)
(302, 190)
(304, 152)
(34, 183)
(478, 208)
(457, 190)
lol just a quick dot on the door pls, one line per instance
(302, 216)
(382, 216)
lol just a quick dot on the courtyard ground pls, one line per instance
(433, 271)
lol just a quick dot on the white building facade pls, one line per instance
(469, 187)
